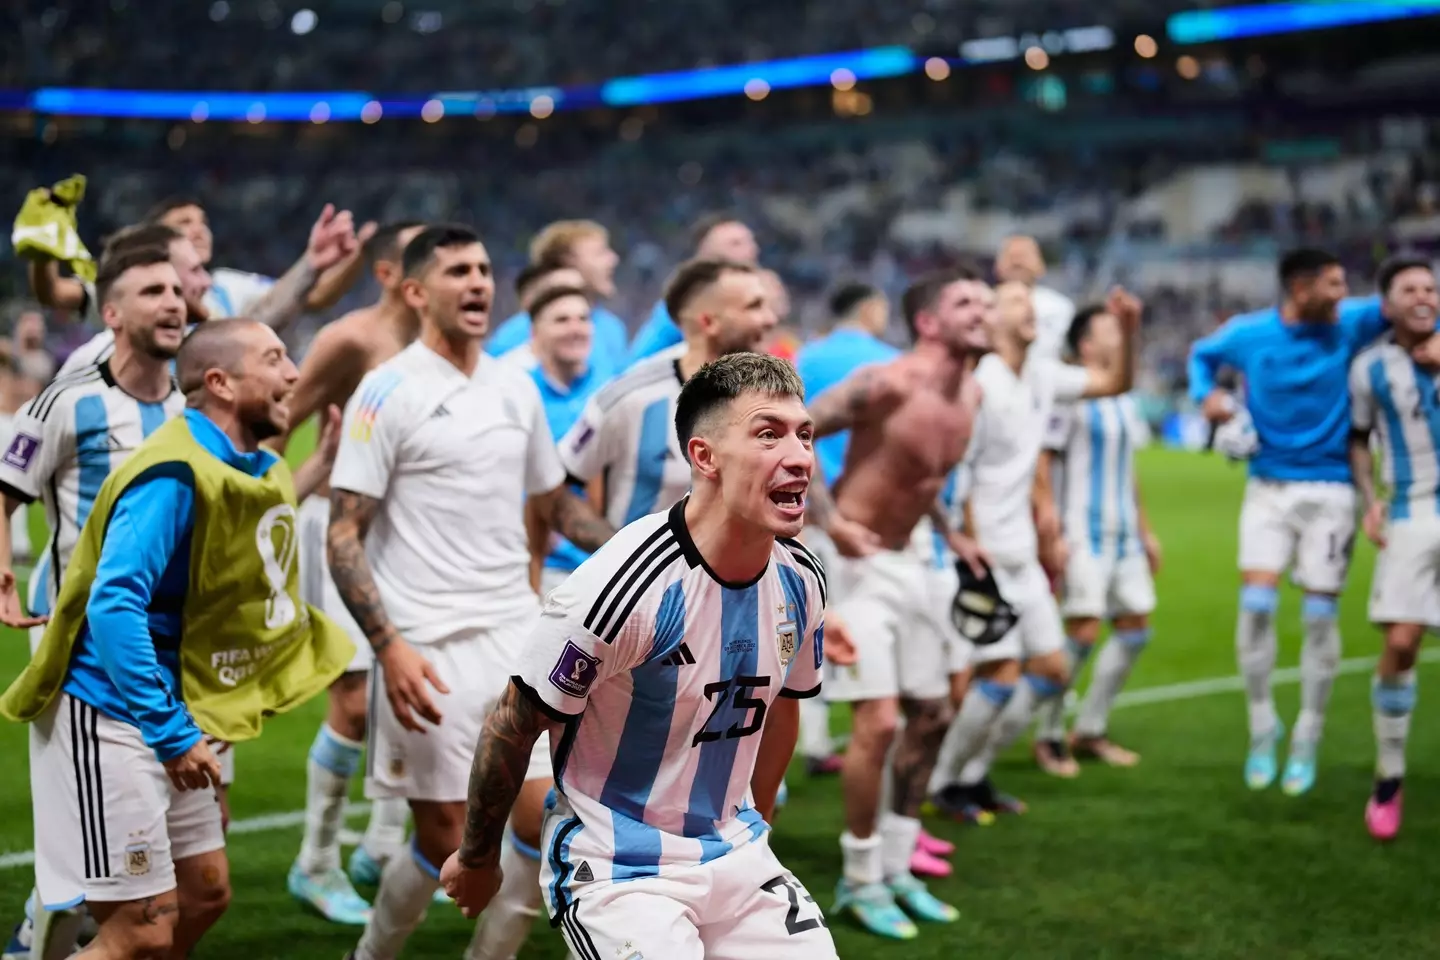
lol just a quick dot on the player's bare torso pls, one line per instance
(898, 462)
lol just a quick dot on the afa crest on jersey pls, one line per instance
(787, 641)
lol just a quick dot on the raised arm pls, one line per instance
(332, 239)
(51, 289)
(335, 281)
(1119, 379)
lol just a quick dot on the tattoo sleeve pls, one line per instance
(575, 519)
(350, 517)
(501, 760)
(919, 744)
(286, 298)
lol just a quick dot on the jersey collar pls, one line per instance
(691, 553)
(108, 377)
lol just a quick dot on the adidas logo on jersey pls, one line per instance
(440, 411)
(584, 874)
(680, 657)
(113, 442)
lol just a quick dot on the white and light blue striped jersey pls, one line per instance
(231, 293)
(1396, 399)
(1098, 506)
(626, 434)
(61, 447)
(663, 674)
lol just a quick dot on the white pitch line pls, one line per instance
(1168, 693)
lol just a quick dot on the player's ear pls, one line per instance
(413, 293)
(111, 316)
(702, 457)
(217, 383)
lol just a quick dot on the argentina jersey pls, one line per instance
(1396, 399)
(626, 436)
(663, 675)
(63, 445)
(1097, 440)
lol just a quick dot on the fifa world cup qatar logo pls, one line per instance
(276, 540)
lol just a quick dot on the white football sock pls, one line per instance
(1319, 660)
(1112, 669)
(968, 731)
(861, 858)
(1393, 700)
(385, 833)
(898, 837)
(506, 922)
(333, 761)
(1255, 647)
(406, 888)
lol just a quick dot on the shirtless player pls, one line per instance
(341, 354)
(910, 423)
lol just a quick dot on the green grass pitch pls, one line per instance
(1174, 859)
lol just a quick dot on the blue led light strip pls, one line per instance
(1269, 19)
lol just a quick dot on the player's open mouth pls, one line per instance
(475, 311)
(790, 499)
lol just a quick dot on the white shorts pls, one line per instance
(435, 765)
(1038, 631)
(741, 906)
(1107, 586)
(1406, 584)
(1308, 528)
(317, 587)
(885, 601)
(109, 826)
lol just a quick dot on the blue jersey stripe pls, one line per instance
(655, 430)
(1399, 449)
(1097, 475)
(41, 592)
(152, 418)
(1123, 493)
(92, 451)
(642, 745)
(1430, 407)
(222, 297)
(739, 657)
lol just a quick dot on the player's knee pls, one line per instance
(1402, 642)
(1260, 578)
(1262, 599)
(1320, 608)
(204, 906)
(959, 686)
(1135, 638)
(348, 705)
(1084, 630)
(1049, 684)
(1053, 667)
(929, 719)
(437, 831)
(874, 729)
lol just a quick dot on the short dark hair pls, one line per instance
(115, 265)
(209, 345)
(1304, 263)
(922, 294)
(420, 251)
(384, 244)
(1397, 265)
(139, 235)
(533, 273)
(708, 222)
(849, 296)
(550, 296)
(694, 277)
(174, 202)
(1080, 326)
(720, 381)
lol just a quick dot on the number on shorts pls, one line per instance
(1341, 549)
(720, 692)
(793, 890)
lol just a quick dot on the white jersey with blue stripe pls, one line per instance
(62, 446)
(1397, 399)
(662, 674)
(626, 434)
(1098, 505)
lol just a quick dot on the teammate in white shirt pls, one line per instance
(441, 447)
(1020, 261)
(1112, 552)
(1395, 398)
(625, 443)
(339, 356)
(683, 646)
(1019, 394)
(63, 445)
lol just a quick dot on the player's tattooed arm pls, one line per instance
(286, 299)
(867, 393)
(574, 518)
(350, 517)
(501, 761)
